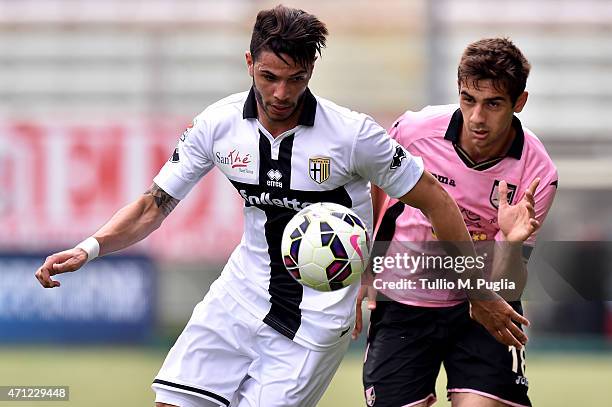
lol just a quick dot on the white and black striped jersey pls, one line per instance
(330, 156)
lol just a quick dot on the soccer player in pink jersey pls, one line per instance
(500, 175)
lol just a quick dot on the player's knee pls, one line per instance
(164, 405)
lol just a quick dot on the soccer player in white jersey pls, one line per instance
(259, 338)
(499, 174)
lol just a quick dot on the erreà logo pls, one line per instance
(264, 199)
(274, 179)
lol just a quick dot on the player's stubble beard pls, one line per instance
(261, 103)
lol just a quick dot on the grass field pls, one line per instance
(121, 377)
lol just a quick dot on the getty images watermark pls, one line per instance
(406, 271)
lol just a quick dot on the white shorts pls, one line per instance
(228, 357)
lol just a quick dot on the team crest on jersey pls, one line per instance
(370, 396)
(494, 196)
(319, 169)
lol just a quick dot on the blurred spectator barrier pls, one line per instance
(113, 299)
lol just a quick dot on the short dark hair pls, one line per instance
(497, 59)
(288, 31)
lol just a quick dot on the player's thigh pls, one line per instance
(474, 400)
(211, 357)
(168, 398)
(403, 355)
(288, 374)
(478, 364)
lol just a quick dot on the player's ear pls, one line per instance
(520, 102)
(249, 61)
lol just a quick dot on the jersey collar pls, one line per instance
(516, 149)
(307, 116)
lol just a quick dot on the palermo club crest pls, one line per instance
(494, 195)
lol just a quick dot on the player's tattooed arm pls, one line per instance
(163, 200)
(136, 220)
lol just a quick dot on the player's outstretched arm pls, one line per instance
(517, 223)
(129, 225)
(486, 307)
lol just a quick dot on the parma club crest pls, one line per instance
(494, 196)
(319, 169)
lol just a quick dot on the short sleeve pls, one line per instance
(190, 161)
(380, 159)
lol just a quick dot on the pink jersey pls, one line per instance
(433, 134)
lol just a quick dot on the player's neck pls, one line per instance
(480, 154)
(278, 127)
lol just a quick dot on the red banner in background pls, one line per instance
(60, 181)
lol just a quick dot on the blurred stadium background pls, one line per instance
(94, 94)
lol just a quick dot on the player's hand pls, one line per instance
(499, 318)
(517, 222)
(58, 263)
(369, 292)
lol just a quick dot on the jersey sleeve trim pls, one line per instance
(163, 182)
(417, 168)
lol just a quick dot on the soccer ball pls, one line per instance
(325, 246)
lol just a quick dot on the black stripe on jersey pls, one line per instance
(279, 205)
(206, 393)
(291, 200)
(386, 230)
(285, 293)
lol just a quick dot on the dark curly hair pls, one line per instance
(288, 31)
(497, 59)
